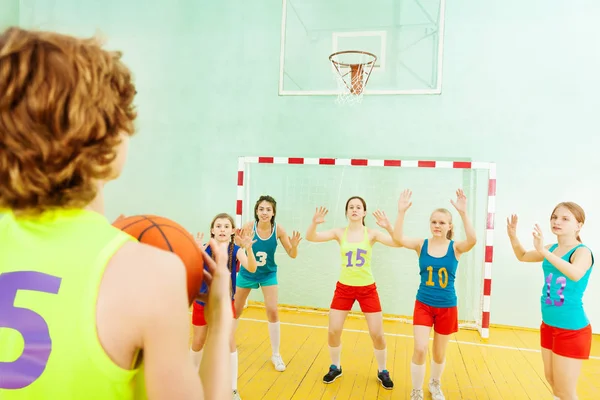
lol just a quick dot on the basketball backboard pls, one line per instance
(405, 35)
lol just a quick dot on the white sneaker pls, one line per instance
(435, 388)
(278, 362)
(416, 394)
(236, 395)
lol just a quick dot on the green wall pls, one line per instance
(520, 89)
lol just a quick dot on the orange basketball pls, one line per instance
(170, 236)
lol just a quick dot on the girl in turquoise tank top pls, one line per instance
(266, 233)
(565, 332)
(435, 305)
(356, 281)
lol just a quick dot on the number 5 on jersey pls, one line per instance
(442, 277)
(28, 367)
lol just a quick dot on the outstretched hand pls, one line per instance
(382, 219)
(295, 239)
(511, 225)
(461, 201)
(404, 202)
(320, 214)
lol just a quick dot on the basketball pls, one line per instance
(168, 235)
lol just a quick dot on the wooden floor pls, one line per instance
(507, 366)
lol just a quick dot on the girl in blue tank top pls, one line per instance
(265, 234)
(565, 332)
(435, 305)
(223, 230)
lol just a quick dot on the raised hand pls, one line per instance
(243, 238)
(511, 225)
(382, 219)
(200, 240)
(320, 214)
(538, 238)
(404, 202)
(295, 239)
(461, 201)
(218, 280)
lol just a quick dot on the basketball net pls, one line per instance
(351, 70)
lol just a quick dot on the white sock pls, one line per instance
(437, 369)
(196, 358)
(274, 334)
(380, 356)
(417, 374)
(234, 369)
(335, 353)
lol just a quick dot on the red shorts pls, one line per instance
(198, 314)
(443, 320)
(566, 342)
(345, 296)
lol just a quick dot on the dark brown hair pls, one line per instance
(270, 200)
(364, 203)
(64, 105)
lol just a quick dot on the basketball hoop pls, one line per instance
(352, 71)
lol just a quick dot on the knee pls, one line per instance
(378, 339)
(420, 352)
(334, 332)
(272, 314)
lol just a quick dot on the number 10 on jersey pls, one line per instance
(442, 277)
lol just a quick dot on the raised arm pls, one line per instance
(461, 206)
(290, 244)
(520, 252)
(404, 204)
(313, 236)
(245, 254)
(381, 237)
(581, 260)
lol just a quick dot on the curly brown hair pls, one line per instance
(65, 105)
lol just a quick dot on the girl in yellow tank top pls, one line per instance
(356, 281)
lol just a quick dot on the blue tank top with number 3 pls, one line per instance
(562, 298)
(437, 277)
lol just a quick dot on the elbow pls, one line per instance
(575, 277)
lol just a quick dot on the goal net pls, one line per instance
(299, 185)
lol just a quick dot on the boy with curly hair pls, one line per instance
(83, 307)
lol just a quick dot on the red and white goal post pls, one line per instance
(299, 184)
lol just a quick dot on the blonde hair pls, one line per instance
(64, 104)
(575, 209)
(450, 233)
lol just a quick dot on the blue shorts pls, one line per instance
(243, 281)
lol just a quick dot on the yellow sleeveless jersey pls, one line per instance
(356, 261)
(50, 271)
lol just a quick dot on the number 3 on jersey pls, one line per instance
(442, 277)
(261, 259)
(30, 365)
